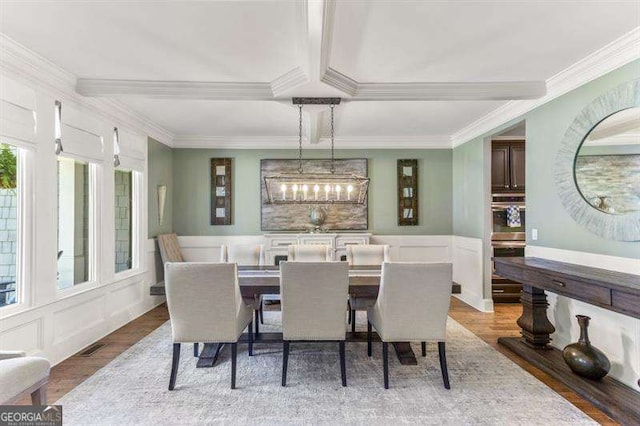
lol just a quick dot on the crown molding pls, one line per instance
(22, 64)
(614, 55)
(291, 142)
(340, 81)
(288, 81)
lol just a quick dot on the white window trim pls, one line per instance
(136, 226)
(95, 197)
(25, 236)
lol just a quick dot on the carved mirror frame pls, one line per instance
(616, 227)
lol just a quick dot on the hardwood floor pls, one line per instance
(487, 326)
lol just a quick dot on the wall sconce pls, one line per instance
(162, 195)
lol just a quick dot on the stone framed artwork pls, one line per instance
(303, 217)
(407, 192)
(221, 191)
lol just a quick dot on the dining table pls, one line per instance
(364, 281)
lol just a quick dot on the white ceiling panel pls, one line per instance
(148, 40)
(406, 41)
(407, 118)
(220, 118)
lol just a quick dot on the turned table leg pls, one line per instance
(534, 323)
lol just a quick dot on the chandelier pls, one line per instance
(316, 187)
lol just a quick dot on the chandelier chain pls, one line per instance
(333, 159)
(300, 139)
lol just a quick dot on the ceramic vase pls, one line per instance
(583, 358)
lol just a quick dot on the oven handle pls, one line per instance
(508, 244)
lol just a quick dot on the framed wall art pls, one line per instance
(407, 192)
(221, 191)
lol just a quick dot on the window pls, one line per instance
(74, 200)
(9, 214)
(123, 203)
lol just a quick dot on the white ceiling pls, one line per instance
(319, 48)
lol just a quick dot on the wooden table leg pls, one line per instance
(405, 353)
(534, 323)
(209, 355)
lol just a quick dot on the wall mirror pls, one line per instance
(607, 165)
(598, 165)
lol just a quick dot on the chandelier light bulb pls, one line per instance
(349, 191)
(283, 189)
(338, 189)
(305, 189)
(316, 188)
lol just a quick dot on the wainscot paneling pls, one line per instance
(617, 335)
(468, 272)
(61, 329)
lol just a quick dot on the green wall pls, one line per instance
(468, 194)
(192, 202)
(160, 172)
(545, 129)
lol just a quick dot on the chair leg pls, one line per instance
(443, 364)
(257, 322)
(424, 348)
(343, 367)
(174, 365)
(234, 358)
(285, 361)
(250, 329)
(39, 396)
(195, 349)
(261, 314)
(369, 333)
(348, 312)
(385, 363)
(353, 320)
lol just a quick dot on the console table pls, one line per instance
(614, 291)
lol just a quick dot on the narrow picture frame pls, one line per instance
(221, 201)
(408, 193)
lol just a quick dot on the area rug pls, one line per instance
(486, 387)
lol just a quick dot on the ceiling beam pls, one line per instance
(175, 89)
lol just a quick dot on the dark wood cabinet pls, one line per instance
(508, 166)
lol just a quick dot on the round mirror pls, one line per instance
(607, 164)
(597, 169)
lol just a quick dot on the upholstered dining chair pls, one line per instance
(246, 254)
(21, 375)
(205, 305)
(364, 255)
(326, 284)
(412, 306)
(309, 253)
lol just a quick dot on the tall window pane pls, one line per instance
(123, 219)
(73, 222)
(9, 187)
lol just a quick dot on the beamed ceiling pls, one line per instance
(222, 73)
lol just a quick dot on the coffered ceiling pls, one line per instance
(411, 73)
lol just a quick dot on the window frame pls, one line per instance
(136, 224)
(25, 244)
(95, 197)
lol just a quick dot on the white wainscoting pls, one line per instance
(464, 253)
(617, 335)
(467, 261)
(207, 248)
(60, 329)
